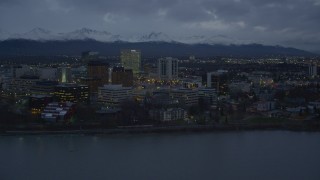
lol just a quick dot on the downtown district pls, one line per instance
(93, 91)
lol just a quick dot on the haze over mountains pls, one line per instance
(40, 34)
(40, 41)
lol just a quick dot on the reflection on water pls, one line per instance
(228, 155)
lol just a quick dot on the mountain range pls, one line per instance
(40, 41)
(40, 34)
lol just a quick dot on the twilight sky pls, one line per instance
(293, 23)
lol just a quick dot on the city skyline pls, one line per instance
(160, 89)
(265, 22)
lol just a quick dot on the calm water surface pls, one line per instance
(255, 155)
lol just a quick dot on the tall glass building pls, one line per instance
(131, 59)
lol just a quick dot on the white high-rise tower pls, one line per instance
(313, 70)
(167, 68)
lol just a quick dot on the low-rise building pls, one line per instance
(240, 87)
(38, 102)
(192, 82)
(72, 93)
(113, 95)
(265, 106)
(170, 114)
(208, 95)
(58, 112)
(315, 104)
(296, 110)
(187, 97)
(48, 73)
(44, 87)
(23, 85)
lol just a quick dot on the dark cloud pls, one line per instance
(285, 22)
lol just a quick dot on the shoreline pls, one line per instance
(164, 129)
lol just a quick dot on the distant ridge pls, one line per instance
(40, 34)
(18, 47)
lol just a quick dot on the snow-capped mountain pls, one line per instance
(192, 39)
(40, 34)
(211, 40)
(86, 33)
(46, 42)
(218, 39)
(155, 36)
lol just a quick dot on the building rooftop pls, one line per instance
(114, 87)
(97, 63)
(29, 77)
(47, 83)
(71, 85)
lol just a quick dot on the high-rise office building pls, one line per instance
(122, 76)
(131, 59)
(167, 68)
(98, 75)
(218, 81)
(313, 70)
(64, 75)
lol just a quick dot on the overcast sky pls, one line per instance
(293, 23)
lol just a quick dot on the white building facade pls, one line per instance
(114, 95)
(167, 68)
